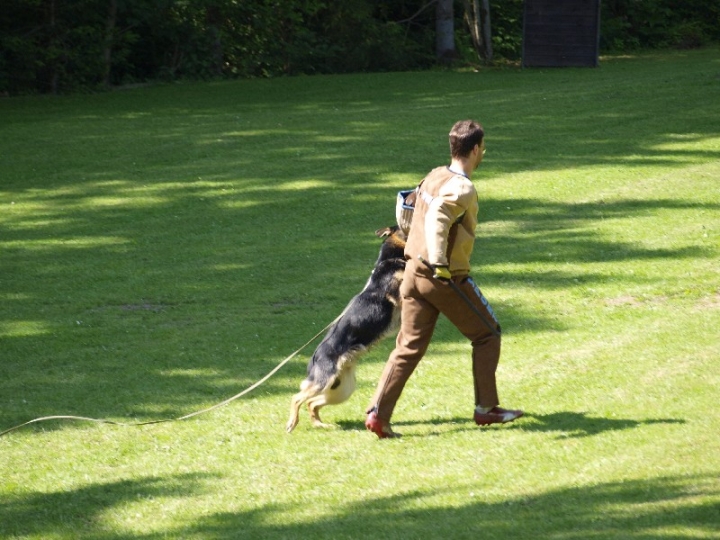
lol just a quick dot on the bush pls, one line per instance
(633, 24)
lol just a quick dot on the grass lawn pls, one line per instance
(163, 248)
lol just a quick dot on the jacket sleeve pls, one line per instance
(454, 199)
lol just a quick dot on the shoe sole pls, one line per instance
(377, 430)
(498, 421)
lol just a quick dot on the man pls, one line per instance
(442, 234)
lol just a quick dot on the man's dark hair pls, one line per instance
(464, 135)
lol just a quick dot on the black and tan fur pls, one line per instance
(371, 315)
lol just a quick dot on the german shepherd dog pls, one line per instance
(371, 315)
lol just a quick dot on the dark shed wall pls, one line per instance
(560, 33)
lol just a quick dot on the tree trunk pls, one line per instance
(444, 31)
(478, 20)
(55, 68)
(213, 19)
(109, 40)
(472, 19)
(486, 34)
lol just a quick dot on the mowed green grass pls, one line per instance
(163, 248)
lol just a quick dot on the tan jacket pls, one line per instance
(444, 221)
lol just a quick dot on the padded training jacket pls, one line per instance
(444, 221)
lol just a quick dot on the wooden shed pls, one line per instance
(561, 33)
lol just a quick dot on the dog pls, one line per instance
(370, 316)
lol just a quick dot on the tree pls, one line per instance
(444, 31)
(110, 22)
(477, 17)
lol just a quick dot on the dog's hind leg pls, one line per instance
(307, 391)
(314, 405)
(339, 391)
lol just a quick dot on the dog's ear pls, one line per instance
(382, 233)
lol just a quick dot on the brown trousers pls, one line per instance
(423, 299)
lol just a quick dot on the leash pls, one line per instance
(462, 295)
(165, 420)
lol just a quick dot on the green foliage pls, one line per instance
(62, 46)
(506, 18)
(633, 24)
(50, 47)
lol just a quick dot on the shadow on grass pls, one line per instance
(565, 424)
(577, 424)
(674, 507)
(656, 509)
(77, 513)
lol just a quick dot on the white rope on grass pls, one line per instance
(191, 415)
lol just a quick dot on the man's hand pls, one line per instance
(442, 273)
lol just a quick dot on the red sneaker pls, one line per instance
(496, 415)
(378, 427)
